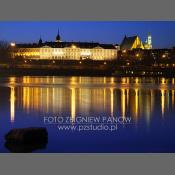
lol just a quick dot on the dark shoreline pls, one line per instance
(84, 69)
(85, 72)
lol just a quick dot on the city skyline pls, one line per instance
(163, 34)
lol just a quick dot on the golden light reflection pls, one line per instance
(73, 103)
(123, 103)
(127, 97)
(75, 99)
(163, 81)
(12, 104)
(12, 81)
(152, 99)
(136, 102)
(73, 80)
(163, 101)
(104, 80)
(112, 80)
(172, 98)
(136, 81)
(112, 101)
(47, 100)
(104, 98)
(124, 80)
(80, 80)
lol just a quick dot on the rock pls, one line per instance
(25, 140)
(31, 135)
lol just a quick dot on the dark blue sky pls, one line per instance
(163, 33)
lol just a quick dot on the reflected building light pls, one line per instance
(172, 98)
(47, 79)
(124, 80)
(53, 99)
(136, 81)
(163, 81)
(47, 100)
(104, 80)
(12, 104)
(73, 80)
(104, 99)
(127, 80)
(26, 79)
(80, 80)
(163, 101)
(36, 95)
(123, 104)
(112, 80)
(53, 80)
(28, 99)
(112, 101)
(127, 97)
(172, 80)
(136, 102)
(73, 104)
(12, 81)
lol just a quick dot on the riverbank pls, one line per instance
(85, 69)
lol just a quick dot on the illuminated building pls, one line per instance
(130, 43)
(59, 50)
(134, 42)
(148, 42)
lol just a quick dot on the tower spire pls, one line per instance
(58, 38)
(40, 40)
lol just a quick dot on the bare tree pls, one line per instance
(4, 51)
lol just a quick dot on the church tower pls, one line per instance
(148, 42)
(40, 41)
(58, 38)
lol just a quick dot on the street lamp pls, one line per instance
(12, 44)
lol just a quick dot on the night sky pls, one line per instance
(163, 33)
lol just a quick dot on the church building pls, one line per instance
(134, 42)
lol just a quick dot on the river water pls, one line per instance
(148, 103)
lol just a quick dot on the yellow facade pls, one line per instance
(66, 53)
(137, 44)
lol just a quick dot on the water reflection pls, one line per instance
(87, 95)
(12, 104)
(73, 103)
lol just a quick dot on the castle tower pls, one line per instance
(40, 41)
(149, 41)
(58, 38)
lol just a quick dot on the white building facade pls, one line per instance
(59, 50)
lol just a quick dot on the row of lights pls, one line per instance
(80, 62)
